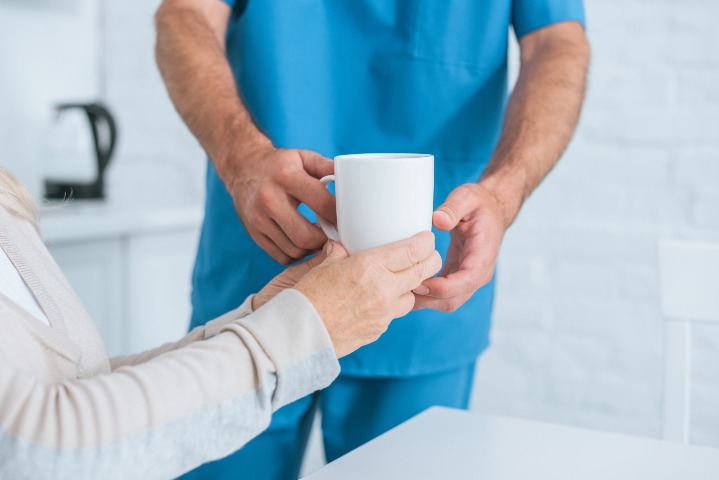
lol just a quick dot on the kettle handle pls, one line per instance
(96, 113)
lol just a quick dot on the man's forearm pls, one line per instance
(191, 57)
(541, 116)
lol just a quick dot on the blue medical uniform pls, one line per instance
(353, 76)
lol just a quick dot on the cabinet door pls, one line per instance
(159, 274)
(95, 271)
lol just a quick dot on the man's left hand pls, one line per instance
(477, 222)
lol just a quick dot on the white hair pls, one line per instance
(16, 199)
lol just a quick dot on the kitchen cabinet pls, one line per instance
(158, 287)
(95, 269)
(130, 266)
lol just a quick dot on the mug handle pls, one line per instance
(327, 227)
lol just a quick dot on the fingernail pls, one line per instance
(421, 290)
(329, 248)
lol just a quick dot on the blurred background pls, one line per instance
(578, 328)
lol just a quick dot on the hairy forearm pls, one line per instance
(191, 56)
(541, 116)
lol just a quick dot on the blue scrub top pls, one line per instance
(352, 76)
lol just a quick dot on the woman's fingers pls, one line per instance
(411, 278)
(334, 252)
(404, 305)
(299, 270)
(399, 256)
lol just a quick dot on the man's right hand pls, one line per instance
(267, 185)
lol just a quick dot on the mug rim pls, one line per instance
(383, 156)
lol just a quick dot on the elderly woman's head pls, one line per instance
(16, 199)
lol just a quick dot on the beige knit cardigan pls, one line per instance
(67, 411)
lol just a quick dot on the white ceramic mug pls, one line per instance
(381, 198)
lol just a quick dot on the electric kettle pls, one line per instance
(81, 142)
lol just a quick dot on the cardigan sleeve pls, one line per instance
(167, 415)
(203, 332)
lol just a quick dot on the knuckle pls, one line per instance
(483, 280)
(285, 173)
(441, 291)
(472, 284)
(284, 260)
(305, 243)
(436, 262)
(264, 196)
(419, 272)
(374, 335)
(366, 263)
(261, 241)
(457, 303)
(469, 189)
(379, 298)
(428, 241)
(419, 301)
(411, 250)
(294, 233)
(411, 301)
(295, 252)
(449, 306)
(306, 240)
(381, 324)
(255, 219)
(383, 328)
(452, 210)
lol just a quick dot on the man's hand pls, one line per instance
(266, 183)
(477, 223)
(540, 119)
(267, 186)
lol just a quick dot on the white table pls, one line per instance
(443, 443)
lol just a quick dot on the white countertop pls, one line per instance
(443, 443)
(78, 220)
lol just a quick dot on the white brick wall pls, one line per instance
(156, 150)
(578, 331)
(47, 56)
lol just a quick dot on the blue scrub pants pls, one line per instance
(354, 411)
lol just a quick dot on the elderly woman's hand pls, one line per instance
(288, 278)
(357, 297)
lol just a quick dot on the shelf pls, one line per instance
(80, 220)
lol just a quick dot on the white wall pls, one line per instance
(156, 151)
(48, 53)
(64, 50)
(578, 330)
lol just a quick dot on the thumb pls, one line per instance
(295, 272)
(334, 252)
(453, 210)
(314, 261)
